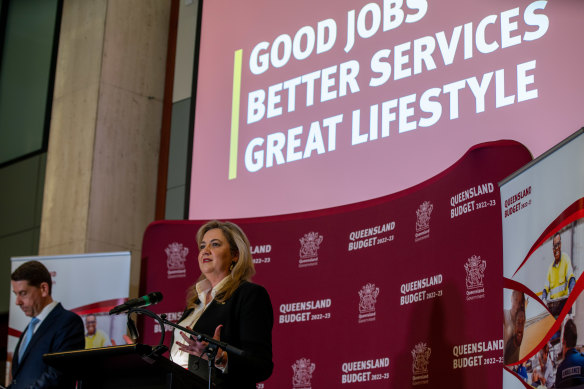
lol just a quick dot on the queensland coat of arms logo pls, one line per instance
(176, 255)
(423, 213)
(309, 245)
(367, 300)
(475, 272)
(303, 370)
(421, 360)
(423, 221)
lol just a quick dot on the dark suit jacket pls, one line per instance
(61, 330)
(247, 319)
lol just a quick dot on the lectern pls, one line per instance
(127, 366)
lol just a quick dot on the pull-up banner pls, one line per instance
(397, 292)
(87, 284)
(543, 253)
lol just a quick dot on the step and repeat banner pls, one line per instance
(401, 291)
(543, 253)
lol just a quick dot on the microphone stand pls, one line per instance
(211, 349)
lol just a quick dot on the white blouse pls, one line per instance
(203, 287)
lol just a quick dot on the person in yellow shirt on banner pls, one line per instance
(560, 279)
(94, 338)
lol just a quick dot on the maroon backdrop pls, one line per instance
(401, 291)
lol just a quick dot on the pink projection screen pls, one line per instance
(304, 105)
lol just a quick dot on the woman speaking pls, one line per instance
(226, 304)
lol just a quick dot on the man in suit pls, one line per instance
(52, 329)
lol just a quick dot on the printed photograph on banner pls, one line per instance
(558, 362)
(103, 330)
(554, 267)
(513, 325)
(535, 324)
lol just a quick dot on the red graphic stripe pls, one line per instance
(512, 284)
(99, 307)
(570, 214)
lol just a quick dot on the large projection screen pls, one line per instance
(304, 105)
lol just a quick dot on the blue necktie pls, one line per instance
(27, 337)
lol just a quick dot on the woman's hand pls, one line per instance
(194, 347)
(221, 357)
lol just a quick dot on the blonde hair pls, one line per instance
(243, 269)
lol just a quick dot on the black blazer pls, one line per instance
(247, 319)
(61, 330)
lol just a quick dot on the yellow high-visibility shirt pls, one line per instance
(96, 340)
(558, 277)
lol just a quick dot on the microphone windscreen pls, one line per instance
(155, 297)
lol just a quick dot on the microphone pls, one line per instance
(144, 301)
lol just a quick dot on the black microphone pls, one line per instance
(144, 301)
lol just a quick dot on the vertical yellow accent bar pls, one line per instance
(235, 101)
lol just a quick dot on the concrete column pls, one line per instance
(100, 184)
